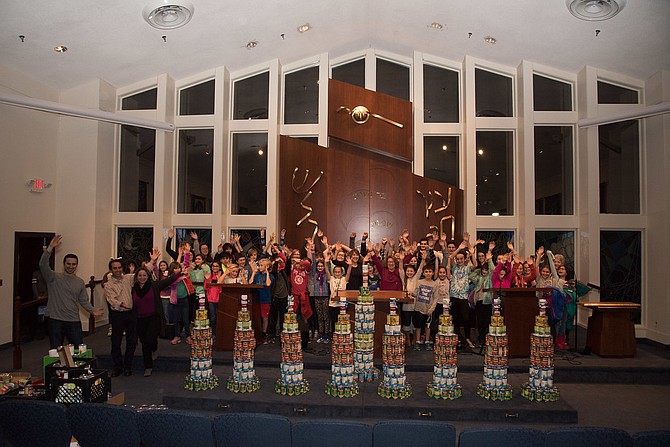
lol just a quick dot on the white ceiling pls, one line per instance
(110, 40)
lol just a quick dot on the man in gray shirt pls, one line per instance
(66, 293)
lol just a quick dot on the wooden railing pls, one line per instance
(19, 306)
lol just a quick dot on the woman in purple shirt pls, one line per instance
(149, 311)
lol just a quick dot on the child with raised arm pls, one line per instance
(459, 282)
(412, 275)
(426, 302)
(213, 293)
(261, 276)
(321, 294)
(481, 278)
(338, 283)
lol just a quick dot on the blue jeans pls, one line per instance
(180, 316)
(58, 329)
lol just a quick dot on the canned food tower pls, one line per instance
(342, 383)
(291, 382)
(445, 372)
(364, 334)
(394, 382)
(201, 376)
(496, 359)
(540, 386)
(244, 379)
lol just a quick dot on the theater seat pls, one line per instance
(501, 437)
(588, 437)
(166, 428)
(252, 430)
(420, 433)
(104, 425)
(326, 433)
(660, 438)
(31, 423)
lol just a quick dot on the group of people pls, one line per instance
(429, 271)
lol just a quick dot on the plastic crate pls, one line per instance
(51, 371)
(80, 386)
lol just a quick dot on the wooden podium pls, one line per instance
(519, 307)
(382, 309)
(611, 331)
(226, 315)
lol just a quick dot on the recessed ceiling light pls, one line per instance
(480, 151)
(489, 39)
(168, 14)
(60, 49)
(260, 151)
(444, 147)
(303, 28)
(436, 26)
(252, 44)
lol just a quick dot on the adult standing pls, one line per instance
(148, 309)
(118, 294)
(66, 293)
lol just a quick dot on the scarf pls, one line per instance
(142, 290)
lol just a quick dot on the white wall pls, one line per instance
(28, 146)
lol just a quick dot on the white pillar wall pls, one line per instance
(80, 157)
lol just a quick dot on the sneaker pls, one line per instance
(417, 346)
(147, 372)
(320, 340)
(109, 331)
(188, 340)
(429, 346)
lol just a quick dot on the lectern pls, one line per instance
(226, 315)
(611, 331)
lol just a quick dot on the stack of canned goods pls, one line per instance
(494, 385)
(540, 386)
(291, 382)
(244, 379)
(445, 372)
(394, 383)
(201, 376)
(364, 337)
(342, 383)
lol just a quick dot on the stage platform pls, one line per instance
(650, 366)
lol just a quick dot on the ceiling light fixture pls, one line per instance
(436, 26)
(489, 39)
(168, 14)
(60, 49)
(251, 44)
(303, 28)
(595, 10)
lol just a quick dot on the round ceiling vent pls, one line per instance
(168, 14)
(595, 10)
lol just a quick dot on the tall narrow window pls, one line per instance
(194, 183)
(493, 94)
(197, 100)
(392, 79)
(251, 96)
(440, 95)
(136, 169)
(551, 95)
(145, 100)
(619, 153)
(621, 266)
(495, 173)
(553, 170)
(441, 158)
(250, 173)
(351, 72)
(301, 96)
(614, 94)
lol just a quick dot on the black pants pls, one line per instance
(58, 329)
(483, 312)
(461, 312)
(123, 321)
(148, 329)
(277, 310)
